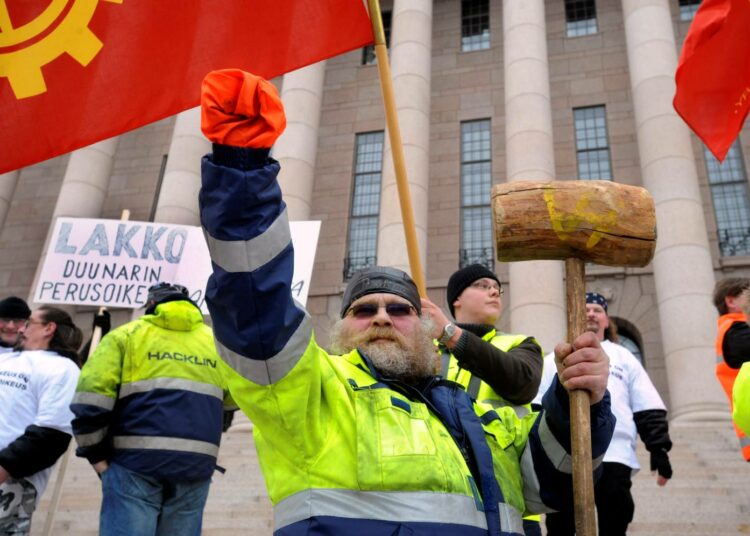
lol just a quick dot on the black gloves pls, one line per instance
(660, 463)
(103, 321)
(653, 428)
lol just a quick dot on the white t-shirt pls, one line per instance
(36, 387)
(630, 390)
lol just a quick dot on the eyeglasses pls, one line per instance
(17, 321)
(368, 310)
(485, 286)
(29, 322)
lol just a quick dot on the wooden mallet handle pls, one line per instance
(580, 415)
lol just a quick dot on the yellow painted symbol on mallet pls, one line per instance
(22, 65)
(564, 223)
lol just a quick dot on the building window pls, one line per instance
(476, 182)
(362, 243)
(631, 345)
(475, 25)
(625, 334)
(592, 144)
(688, 9)
(368, 53)
(729, 192)
(580, 17)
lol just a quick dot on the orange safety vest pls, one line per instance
(727, 375)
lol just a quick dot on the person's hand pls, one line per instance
(436, 314)
(583, 365)
(240, 109)
(439, 321)
(100, 467)
(661, 467)
(103, 320)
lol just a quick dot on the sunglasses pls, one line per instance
(368, 310)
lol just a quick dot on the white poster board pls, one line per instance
(112, 263)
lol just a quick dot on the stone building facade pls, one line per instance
(488, 91)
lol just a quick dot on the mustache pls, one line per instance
(379, 332)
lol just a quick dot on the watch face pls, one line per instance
(448, 332)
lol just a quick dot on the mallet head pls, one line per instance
(596, 221)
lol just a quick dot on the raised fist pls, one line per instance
(240, 109)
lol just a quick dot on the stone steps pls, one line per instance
(237, 500)
(709, 494)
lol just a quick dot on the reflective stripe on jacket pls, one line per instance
(151, 396)
(727, 375)
(342, 450)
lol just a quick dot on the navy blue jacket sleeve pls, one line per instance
(550, 446)
(256, 321)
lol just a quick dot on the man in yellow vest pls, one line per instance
(499, 369)
(732, 340)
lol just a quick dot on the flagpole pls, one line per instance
(397, 148)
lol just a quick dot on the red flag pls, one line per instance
(713, 75)
(73, 72)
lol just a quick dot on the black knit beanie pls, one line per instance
(13, 307)
(463, 278)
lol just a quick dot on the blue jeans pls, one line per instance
(138, 505)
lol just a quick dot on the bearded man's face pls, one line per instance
(397, 342)
(597, 320)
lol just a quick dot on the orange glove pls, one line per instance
(240, 109)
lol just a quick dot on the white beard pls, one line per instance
(397, 358)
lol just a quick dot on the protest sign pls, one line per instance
(113, 262)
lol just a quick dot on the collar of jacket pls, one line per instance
(179, 315)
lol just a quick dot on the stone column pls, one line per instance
(8, 183)
(411, 55)
(537, 295)
(297, 148)
(178, 199)
(83, 189)
(86, 181)
(683, 269)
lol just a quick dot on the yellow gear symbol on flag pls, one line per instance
(60, 33)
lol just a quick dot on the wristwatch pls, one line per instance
(448, 332)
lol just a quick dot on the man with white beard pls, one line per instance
(365, 440)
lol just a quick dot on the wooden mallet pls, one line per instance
(575, 221)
